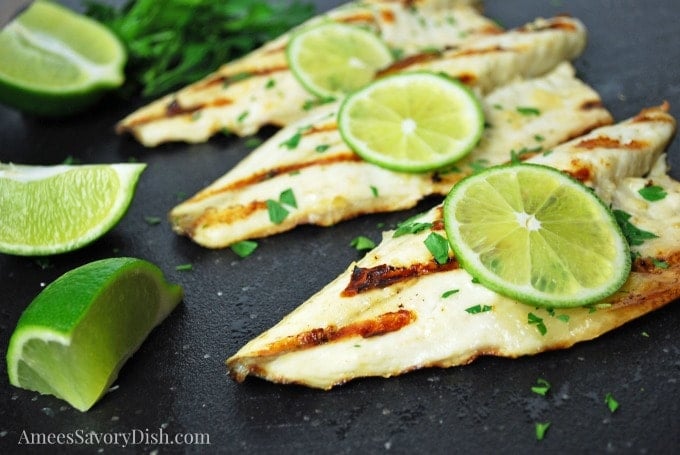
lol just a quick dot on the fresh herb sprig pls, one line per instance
(175, 42)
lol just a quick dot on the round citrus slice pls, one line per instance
(54, 61)
(334, 59)
(534, 234)
(53, 209)
(72, 340)
(412, 122)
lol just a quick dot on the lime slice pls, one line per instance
(334, 59)
(412, 122)
(534, 234)
(75, 336)
(53, 209)
(56, 62)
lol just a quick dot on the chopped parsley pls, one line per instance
(525, 110)
(277, 212)
(539, 138)
(152, 220)
(659, 263)
(253, 142)
(438, 246)
(645, 334)
(411, 226)
(311, 104)
(563, 317)
(538, 322)
(271, 83)
(288, 197)
(478, 309)
(184, 267)
(542, 387)
(244, 248)
(633, 234)
(362, 243)
(516, 156)
(293, 141)
(322, 148)
(541, 429)
(242, 117)
(611, 402)
(276, 209)
(479, 165)
(449, 293)
(653, 193)
(374, 191)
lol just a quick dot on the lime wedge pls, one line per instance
(412, 122)
(75, 336)
(56, 62)
(334, 59)
(53, 209)
(534, 234)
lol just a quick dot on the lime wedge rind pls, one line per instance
(55, 62)
(567, 279)
(72, 340)
(423, 148)
(16, 237)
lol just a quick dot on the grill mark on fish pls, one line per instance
(346, 157)
(609, 143)
(425, 57)
(376, 326)
(366, 279)
(228, 215)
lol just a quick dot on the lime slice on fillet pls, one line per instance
(412, 122)
(54, 209)
(73, 339)
(56, 62)
(534, 234)
(335, 59)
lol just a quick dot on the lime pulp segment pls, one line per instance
(335, 59)
(53, 209)
(532, 233)
(75, 336)
(412, 122)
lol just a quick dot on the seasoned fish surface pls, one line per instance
(331, 183)
(386, 314)
(259, 89)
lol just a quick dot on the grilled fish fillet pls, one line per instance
(386, 315)
(335, 184)
(259, 89)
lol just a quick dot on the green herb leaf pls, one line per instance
(175, 42)
(244, 248)
(253, 142)
(659, 263)
(633, 234)
(450, 292)
(542, 387)
(277, 212)
(653, 193)
(362, 243)
(152, 220)
(292, 142)
(541, 429)
(184, 267)
(411, 226)
(478, 309)
(525, 110)
(611, 403)
(438, 246)
(374, 191)
(538, 322)
(322, 148)
(288, 197)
